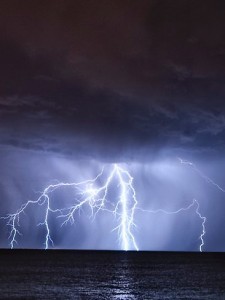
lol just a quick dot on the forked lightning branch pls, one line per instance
(95, 194)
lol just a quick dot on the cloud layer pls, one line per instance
(110, 77)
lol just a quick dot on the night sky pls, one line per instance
(138, 83)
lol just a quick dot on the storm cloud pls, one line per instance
(125, 75)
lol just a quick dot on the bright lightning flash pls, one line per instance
(87, 195)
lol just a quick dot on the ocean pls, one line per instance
(68, 274)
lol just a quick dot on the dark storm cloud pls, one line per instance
(112, 77)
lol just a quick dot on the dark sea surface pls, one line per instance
(56, 274)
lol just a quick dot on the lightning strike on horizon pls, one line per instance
(96, 198)
(194, 202)
(209, 181)
(203, 226)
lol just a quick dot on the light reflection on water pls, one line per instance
(123, 282)
(111, 275)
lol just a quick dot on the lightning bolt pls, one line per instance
(90, 194)
(87, 195)
(203, 225)
(209, 181)
(201, 174)
(194, 203)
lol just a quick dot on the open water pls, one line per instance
(56, 274)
